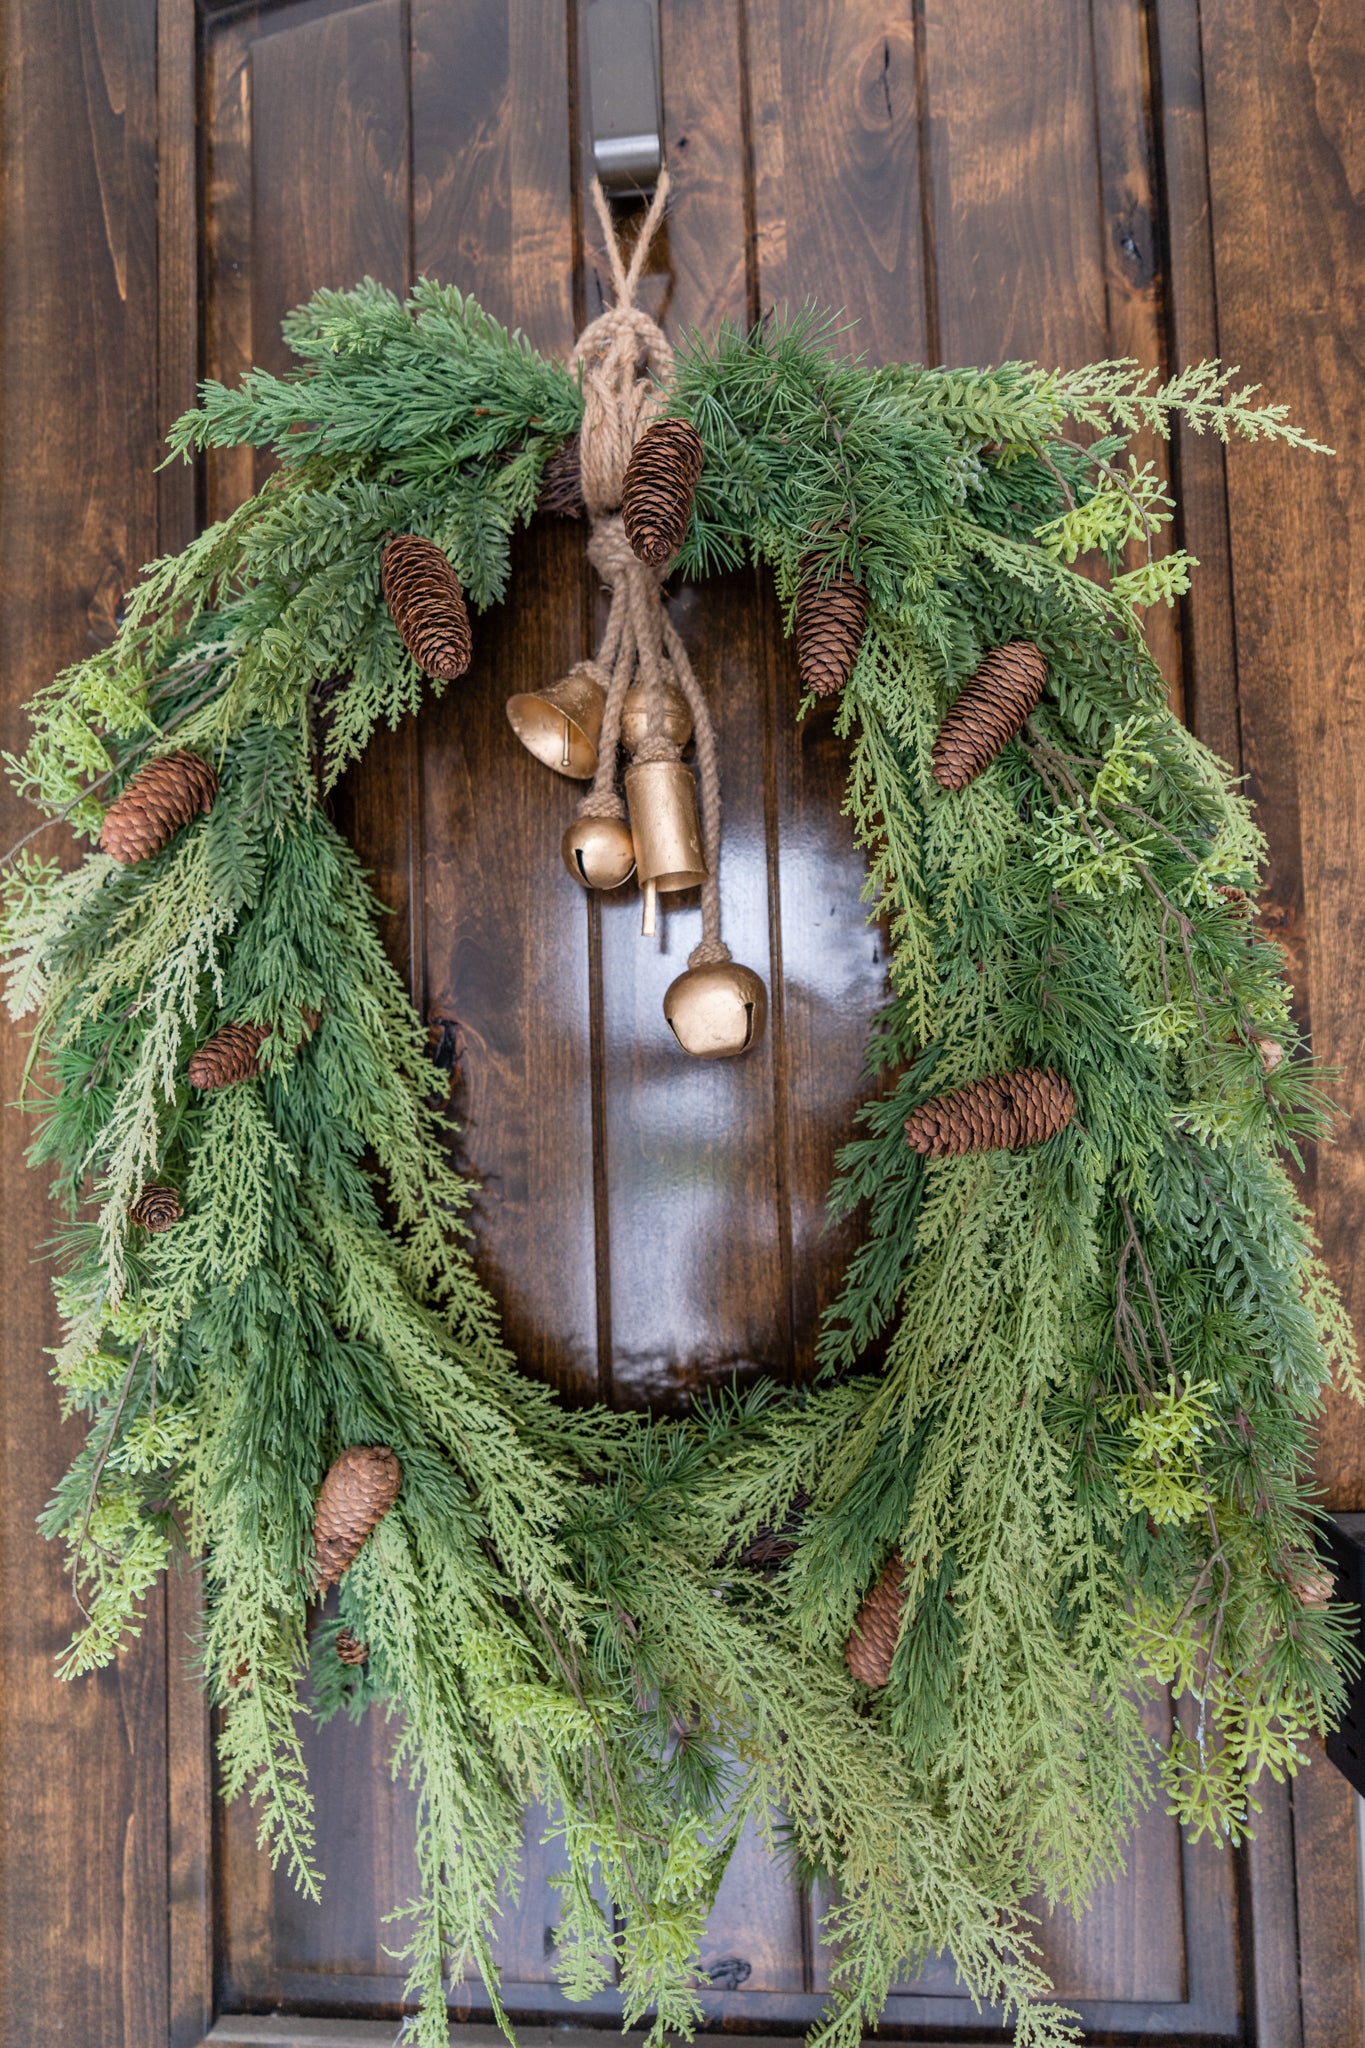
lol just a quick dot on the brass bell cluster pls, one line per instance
(716, 1008)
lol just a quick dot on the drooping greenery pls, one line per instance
(1088, 1436)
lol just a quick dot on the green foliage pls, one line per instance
(1098, 1362)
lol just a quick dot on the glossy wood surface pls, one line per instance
(1062, 179)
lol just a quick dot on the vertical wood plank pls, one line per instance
(506, 927)
(83, 1793)
(1326, 1872)
(1288, 209)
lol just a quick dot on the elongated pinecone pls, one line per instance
(424, 596)
(561, 483)
(660, 483)
(987, 712)
(229, 1056)
(354, 1498)
(872, 1640)
(829, 627)
(157, 1207)
(161, 798)
(998, 1114)
(350, 1650)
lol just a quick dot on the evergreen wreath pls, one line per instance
(905, 1618)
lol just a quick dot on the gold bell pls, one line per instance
(599, 852)
(716, 1012)
(561, 725)
(634, 726)
(662, 800)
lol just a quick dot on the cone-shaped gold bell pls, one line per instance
(561, 725)
(716, 1012)
(662, 799)
(599, 852)
(634, 721)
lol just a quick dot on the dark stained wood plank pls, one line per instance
(1270, 1919)
(83, 1794)
(834, 114)
(696, 1204)
(506, 927)
(1327, 1873)
(1288, 212)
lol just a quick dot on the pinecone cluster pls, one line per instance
(427, 605)
(350, 1649)
(987, 712)
(157, 1207)
(360, 1488)
(161, 798)
(660, 484)
(999, 1114)
(561, 483)
(872, 1640)
(830, 622)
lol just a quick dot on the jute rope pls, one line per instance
(625, 358)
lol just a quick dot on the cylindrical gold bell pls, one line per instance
(599, 852)
(716, 1012)
(561, 725)
(634, 726)
(662, 799)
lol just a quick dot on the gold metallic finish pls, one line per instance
(561, 725)
(599, 852)
(634, 726)
(716, 1012)
(662, 800)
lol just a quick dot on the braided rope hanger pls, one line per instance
(625, 358)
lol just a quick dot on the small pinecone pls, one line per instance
(424, 596)
(350, 1650)
(987, 712)
(1272, 1053)
(771, 1546)
(157, 1207)
(161, 798)
(829, 627)
(561, 483)
(354, 1498)
(999, 1114)
(660, 482)
(229, 1056)
(872, 1640)
(1230, 893)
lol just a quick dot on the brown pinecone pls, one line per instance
(161, 798)
(229, 1056)
(872, 1640)
(354, 1498)
(829, 627)
(157, 1207)
(561, 483)
(987, 712)
(350, 1650)
(998, 1114)
(1230, 893)
(660, 482)
(770, 1545)
(423, 595)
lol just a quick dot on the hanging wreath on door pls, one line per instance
(904, 1618)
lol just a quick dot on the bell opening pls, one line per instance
(748, 1027)
(680, 878)
(674, 1029)
(578, 863)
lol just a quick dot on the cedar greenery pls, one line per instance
(1103, 1355)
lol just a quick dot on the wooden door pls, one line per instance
(1065, 179)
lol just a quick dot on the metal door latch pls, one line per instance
(625, 107)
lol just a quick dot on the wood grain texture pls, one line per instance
(1287, 188)
(83, 1792)
(647, 1225)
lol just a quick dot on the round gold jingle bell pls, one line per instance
(716, 1012)
(677, 722)
(599, 852)
(561, 725)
